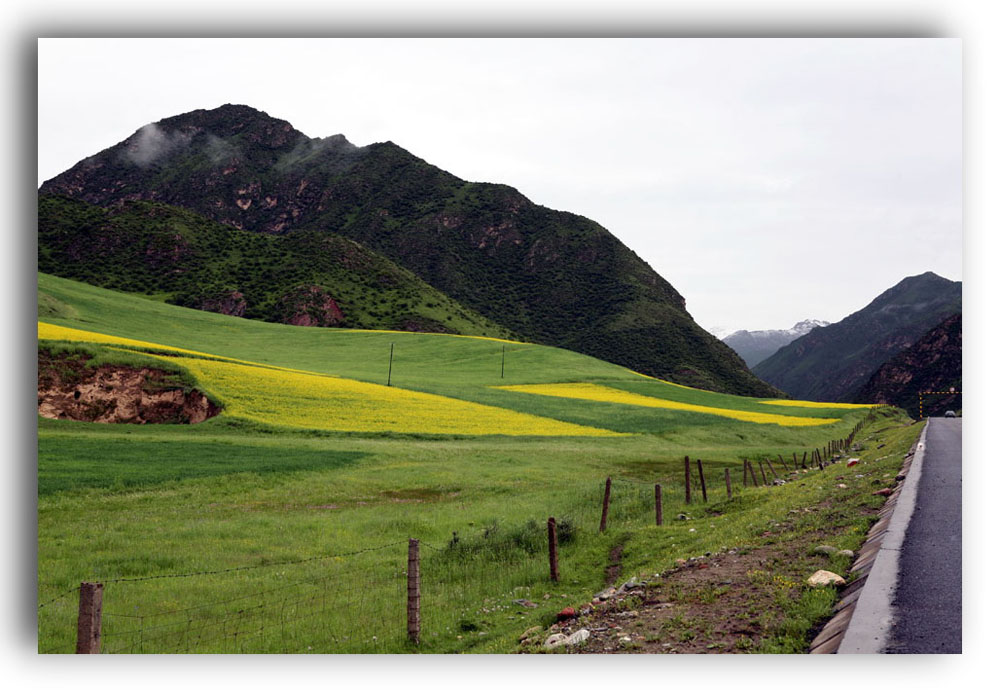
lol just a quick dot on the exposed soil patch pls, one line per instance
(69, 390)
(614, 568)
(717, 603)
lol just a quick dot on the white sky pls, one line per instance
(769, 180)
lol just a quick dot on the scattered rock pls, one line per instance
(557, 639)
(853, 462)
(682, 517)
(524, 602)
(884, 492)
(846, 553)
(823, 578)
(824, 550)
(578, 637)
(632, 585)
(778, 481)
(560, 639)
(841, 485)
(901, 477)
(566, 614)
(606, 594)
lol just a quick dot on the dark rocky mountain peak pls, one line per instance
(932, 364)
(830, 363)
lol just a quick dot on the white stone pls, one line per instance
(823, 577)
(557, 639)
(577, 637)
(560, 639)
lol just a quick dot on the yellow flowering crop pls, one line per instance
(302, 399)
(596, 392)
(810, 404)
(57, 333)
(324, 402)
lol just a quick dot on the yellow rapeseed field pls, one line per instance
(309, 400)
(301, 399)
(57, 333)
(809, 404)
(596, 392)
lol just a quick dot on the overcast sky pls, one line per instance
(768, 180)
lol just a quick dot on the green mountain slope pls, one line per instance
(302, 277)
(831, 363)
(553, 277)
(460, 367)
(932, 364)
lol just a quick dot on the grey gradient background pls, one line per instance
(972, 21)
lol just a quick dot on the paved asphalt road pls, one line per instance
(928, 600)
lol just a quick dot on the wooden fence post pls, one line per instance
(687, 481)
(88, 623)
(763, 476)
(771, 468)
(783, 464)
(413, 592)
(701, 476)
(744, 473)
(753, 474)
(553, 550)
(659, 505)
(604, 509)
(729, 487)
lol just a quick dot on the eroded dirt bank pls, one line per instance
(69, 390)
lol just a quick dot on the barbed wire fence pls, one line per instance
(385, 598)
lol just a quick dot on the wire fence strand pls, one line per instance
(492, 569)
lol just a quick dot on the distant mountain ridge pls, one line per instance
(552, 277)
(932, 364)
(831, 363)
(755, 346)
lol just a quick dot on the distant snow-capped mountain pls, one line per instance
(755, 346)
(721, 332)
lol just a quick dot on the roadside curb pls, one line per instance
(863, 616)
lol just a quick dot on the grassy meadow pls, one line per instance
(281, 525)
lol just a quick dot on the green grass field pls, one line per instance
(293, 538)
